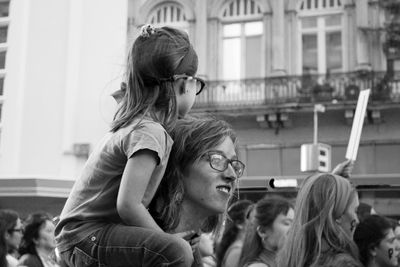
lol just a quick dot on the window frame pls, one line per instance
(242, 19)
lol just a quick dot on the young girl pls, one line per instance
(105, 220)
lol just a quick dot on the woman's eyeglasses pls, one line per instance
(190, 81)
(220, 163)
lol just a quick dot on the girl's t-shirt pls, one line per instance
(92, 202)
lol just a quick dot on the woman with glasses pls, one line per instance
(38, 244)
(201, 177)
(13, 234)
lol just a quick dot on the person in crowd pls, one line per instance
(266, 231)
(13, 234)
(364, 210)
(229, 248)
(200, 178)
(377, 242)
(38, 243)
(106, 211)
(324, 224)
(3, 244)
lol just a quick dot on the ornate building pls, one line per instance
(267, 63)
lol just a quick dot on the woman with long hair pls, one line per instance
(323, 228)
(229, 248)
(38, 243)
(200, 179)
(266, 230)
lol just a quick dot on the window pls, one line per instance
(171, 14)
(242, 40)
(4, 21)
(321, 36)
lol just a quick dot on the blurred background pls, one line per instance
(267, 63)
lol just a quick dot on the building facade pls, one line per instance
(267, 63)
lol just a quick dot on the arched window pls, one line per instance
(171, 14)
(242, 40)
(321, 36)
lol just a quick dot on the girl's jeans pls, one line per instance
(120, 245)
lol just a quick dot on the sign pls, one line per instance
(358, 121)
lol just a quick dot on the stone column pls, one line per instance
(363, 60)
(278, 38)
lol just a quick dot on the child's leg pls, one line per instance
(119, 245)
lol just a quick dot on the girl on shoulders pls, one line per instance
(105, 220)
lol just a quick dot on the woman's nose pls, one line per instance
(230, 173)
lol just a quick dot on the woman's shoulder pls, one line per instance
(342, 259)
(30, 260)
(257, 264)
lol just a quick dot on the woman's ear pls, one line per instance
(262, 233)
(372, 251)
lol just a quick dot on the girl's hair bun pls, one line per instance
(147, 30)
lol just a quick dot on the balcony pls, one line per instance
(298, 93)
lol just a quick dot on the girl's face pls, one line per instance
(46, 236)
(349, 219)
(277, 234)
(185, 91)
(387, 251)
(207, 190)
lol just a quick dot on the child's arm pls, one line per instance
(134, 181)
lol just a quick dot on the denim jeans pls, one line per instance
(127, 246)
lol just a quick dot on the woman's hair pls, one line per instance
(263, 215)
(369, 233)
(322, 199)
(155, 57)
(237, 213)
(33, 224)
(9, 218)
(3, 244)
(193, 137)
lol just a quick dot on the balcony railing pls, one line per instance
(337, 87)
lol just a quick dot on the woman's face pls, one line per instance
(349, 219)
(387, 252)
(14, 236)
(207, 190)
(280, 227)
(46, 236)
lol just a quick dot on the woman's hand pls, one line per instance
(344, 168)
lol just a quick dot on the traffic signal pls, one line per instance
(315, 157)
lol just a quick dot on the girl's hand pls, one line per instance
(344, 168)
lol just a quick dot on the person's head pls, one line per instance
(39, 234)
(326, 216)
(202, 170)
(14, 229)
(3, 244)
(160, 78)
(364, 210)
(269, 222)
(377, 242)
(234, 224)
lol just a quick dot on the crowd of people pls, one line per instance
(159, 190)
(27, 243)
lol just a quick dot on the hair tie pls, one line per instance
(147, 30)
